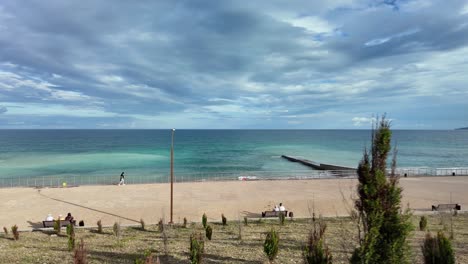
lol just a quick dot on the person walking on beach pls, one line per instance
(122, 179)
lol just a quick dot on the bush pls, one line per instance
(204, 220)
(5, 230)
(71, 237)
(423, 223)
(142, 223)
(223, 219)
(116, 229)
(316, 251)
(58, 226)
(185, 222)
(99, 227)
(209, 232)
(270, 246)
(79, 257)
(197, 248)
(161, 225)
(14, 231)
(281, 217)
(438, 250)
(147, 259)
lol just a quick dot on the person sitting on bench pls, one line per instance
(70, 218)
(281, 208)
(276, 209)
(49, 217)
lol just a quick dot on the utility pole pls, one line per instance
(172, 175)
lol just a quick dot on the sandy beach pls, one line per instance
(27, 207)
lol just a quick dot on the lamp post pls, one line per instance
(172, 174)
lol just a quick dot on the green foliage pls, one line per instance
(223, 219)
(204, 220)
(185, 222)
(116, 229)
(438, 250)
(71, 237)
(316, 251)
(142, 224)
(99, 226)
(14, 231)
(385, 228)
(58, 226)
(209, 232)
(271, 245)
(197, 248)
(79, 256)
(147, 259)
(423, 223)
(281, 217)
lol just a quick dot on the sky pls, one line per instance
(264, 64)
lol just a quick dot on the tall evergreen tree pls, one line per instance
(384, 226)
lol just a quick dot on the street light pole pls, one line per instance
(172, 174)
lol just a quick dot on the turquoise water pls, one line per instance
(31, 153)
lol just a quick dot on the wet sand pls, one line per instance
(27, 207)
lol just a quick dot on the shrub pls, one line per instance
(5, 230)
(14, 231)
(423, 223)
(147, 259)
(161, 225)
(209, 232)
(438, 250)
(316, 251)
(204, 220)
(58, 226)
(270, 246)
(142, 223)
(99, 226)
(281, 217)
(185, 222)
(223, 219)
(79, 257)
(71, 237)
(246, 223)
(116, 229)
(239, 229)
(197, 248)
(384, 228)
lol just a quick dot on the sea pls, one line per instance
(206, 154)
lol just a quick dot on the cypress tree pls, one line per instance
(384, 227)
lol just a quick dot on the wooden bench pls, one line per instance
(274, 213)
(52, 223)
(442, 207)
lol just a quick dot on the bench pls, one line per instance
(52, 223)
(275, 213)
(442, 207)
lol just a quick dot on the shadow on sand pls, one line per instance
(88, 208)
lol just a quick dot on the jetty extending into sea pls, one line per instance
(316, 165)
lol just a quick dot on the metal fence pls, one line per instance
(77, 180)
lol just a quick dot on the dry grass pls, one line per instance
(225, 247)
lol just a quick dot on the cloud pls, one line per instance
(361, 121)
(201, 64)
